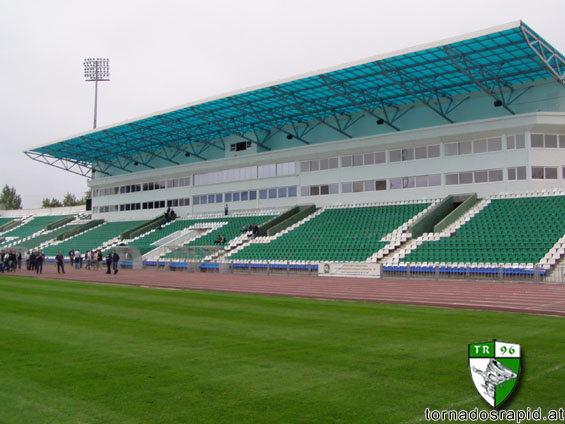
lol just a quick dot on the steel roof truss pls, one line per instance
(424, 91)
(551, 58)
(346, 93)
(281, 95)
(76, 167)
(483, 77)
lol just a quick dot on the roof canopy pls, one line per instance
(492, 61)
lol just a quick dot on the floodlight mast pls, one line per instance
(96, 70)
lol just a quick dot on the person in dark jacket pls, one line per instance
(115, 260)
(39, 262)
(109, 262)
(60, 260)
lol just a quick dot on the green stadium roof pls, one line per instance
(493, 61)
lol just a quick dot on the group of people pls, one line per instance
(221, 239)
(10, 261)
(253, 228)
(91, 258)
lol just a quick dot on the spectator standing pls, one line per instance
(98, 260)
(72, 257)
(39, 262)
(226, 210)
(108, 262)
(32, 261)
(115, 260)
(60, 260)
(20, 260)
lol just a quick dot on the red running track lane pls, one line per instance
(548, 299)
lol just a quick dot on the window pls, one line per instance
(370, 185)
(272, 193)
(515, 141)
(518, 173)
(253, 195)
(550, 141)
(219, 198)
(408, 182)
(421, 152)
(292, 191)
(324, 164)
(422, 181)
(305, 191)
(479, 146)
(537, 172)
(451, 179)
(358, 186)
(241, 146)
(282, 192)
(434, 180)
(407, 154)
(228, 197)
(395, 183)
(494, 144)
(211, 198)
(333, 163)
(314, 165)
(395, 156)
(550, 173)
(401, 155)
(235, 196)
(380, 157)
(465, 147)
(314, 190)
(369, 158)
(495, 175)
(203, 199)
(481, 176)
(465, 177)
(537, 141)
(244, 196)
(324, 190)
(347, 187)
(451, 149)
(334, 188)
(562, 141)
(286, 168)
(305, 166)
(357, 160)
(265, 171)
(433, 151)
(346, 161)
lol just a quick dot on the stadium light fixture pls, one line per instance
(96, 69)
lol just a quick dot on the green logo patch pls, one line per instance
(495, 369)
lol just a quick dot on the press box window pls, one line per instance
(242, 145)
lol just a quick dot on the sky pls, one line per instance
(168, 53)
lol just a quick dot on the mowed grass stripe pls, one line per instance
(126, 354)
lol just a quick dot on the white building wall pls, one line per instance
(544, 123)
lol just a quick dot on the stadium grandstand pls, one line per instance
(447, 158)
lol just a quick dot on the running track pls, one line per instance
(548, 299)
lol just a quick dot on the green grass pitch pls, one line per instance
(93, 353)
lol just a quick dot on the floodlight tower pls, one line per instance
(96, 70)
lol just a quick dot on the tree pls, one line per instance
(71, 200)
(53, 203)
(10, 199)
